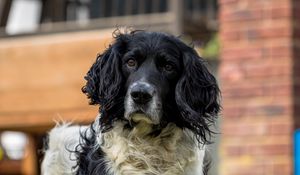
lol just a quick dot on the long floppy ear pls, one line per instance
(104, 84)
(197, 96)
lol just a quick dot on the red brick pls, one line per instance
(247, 14)
(242, 53)
(267, 168)
(280, 129)
(258, 150)
(282, 90)
(244, 129)
(267, 110)
(281, 51)
(241, 15)
(256, 90)
(267, 71)
(231, 35)
(280, 12)
(260, 77)
(269, 32)
(233, 112)
(234, 151)
(280, 149)
(262, 110)
(280, 169)
(245, 92)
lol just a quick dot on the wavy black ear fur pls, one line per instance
(197, 96)
(104, 85)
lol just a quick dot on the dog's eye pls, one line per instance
(131, 63)
(168, 67)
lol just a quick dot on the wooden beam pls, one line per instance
(41, 79)
(42, 121)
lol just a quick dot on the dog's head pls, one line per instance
(155, 74)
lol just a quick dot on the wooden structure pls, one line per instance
(41, 80)
(196, 18)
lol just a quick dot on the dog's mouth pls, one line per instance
(140, 116)
(142, 125)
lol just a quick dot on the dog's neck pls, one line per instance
(132, 150)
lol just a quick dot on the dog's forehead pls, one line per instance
(155, 42)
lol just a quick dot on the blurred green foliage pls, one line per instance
(212, 49)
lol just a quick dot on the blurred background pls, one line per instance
(252, 47)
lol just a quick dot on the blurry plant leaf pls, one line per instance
(212, 48)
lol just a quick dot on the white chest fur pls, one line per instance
(134, 152)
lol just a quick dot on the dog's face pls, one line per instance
(157, 75)
(151, 70)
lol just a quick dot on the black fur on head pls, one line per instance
(105, 84)
(197, 96)
(189, 97)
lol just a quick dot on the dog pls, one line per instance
(157, 102)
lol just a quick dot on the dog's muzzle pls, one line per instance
(142, 98)
(141, 93)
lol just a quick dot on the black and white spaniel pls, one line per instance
(157, 102)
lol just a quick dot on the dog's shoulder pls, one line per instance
(59, 155)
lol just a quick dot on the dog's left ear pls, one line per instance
(197, 96)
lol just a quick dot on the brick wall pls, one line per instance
(260, 79)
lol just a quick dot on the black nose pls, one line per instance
(141, 94)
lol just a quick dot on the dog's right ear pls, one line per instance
(104, 79)
(105, 82)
